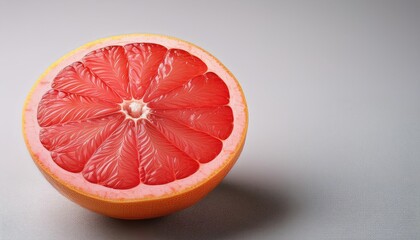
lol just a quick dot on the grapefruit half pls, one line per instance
(135, 126)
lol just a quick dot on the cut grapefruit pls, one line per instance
(135, 126)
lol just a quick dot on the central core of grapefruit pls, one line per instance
(135, 109)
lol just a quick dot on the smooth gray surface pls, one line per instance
(333, 88)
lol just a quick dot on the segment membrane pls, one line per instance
(143, 62)
(177, 68)
(160, 161)
(60, 107)
(216, 121)
(206, 90)
(79, 79)
(110, 64)
(198, 145)
(115, 163)
(72, 144)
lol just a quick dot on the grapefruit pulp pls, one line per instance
(135, 126)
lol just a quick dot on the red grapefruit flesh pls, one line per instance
(135, 126)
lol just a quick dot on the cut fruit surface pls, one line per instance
(110, 156)
(135, 126)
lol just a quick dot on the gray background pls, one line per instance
(333, 89)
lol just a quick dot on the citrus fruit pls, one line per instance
(135, 126)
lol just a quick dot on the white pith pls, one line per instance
(136, 106)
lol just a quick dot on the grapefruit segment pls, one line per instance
(216, 121)
(58, 107)
(177, 67)
(78, 79)
(198, 145)
(206, 90)
(160, 161)
(115, 163)
(143, 62)
(72, 144)
(110, 64)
